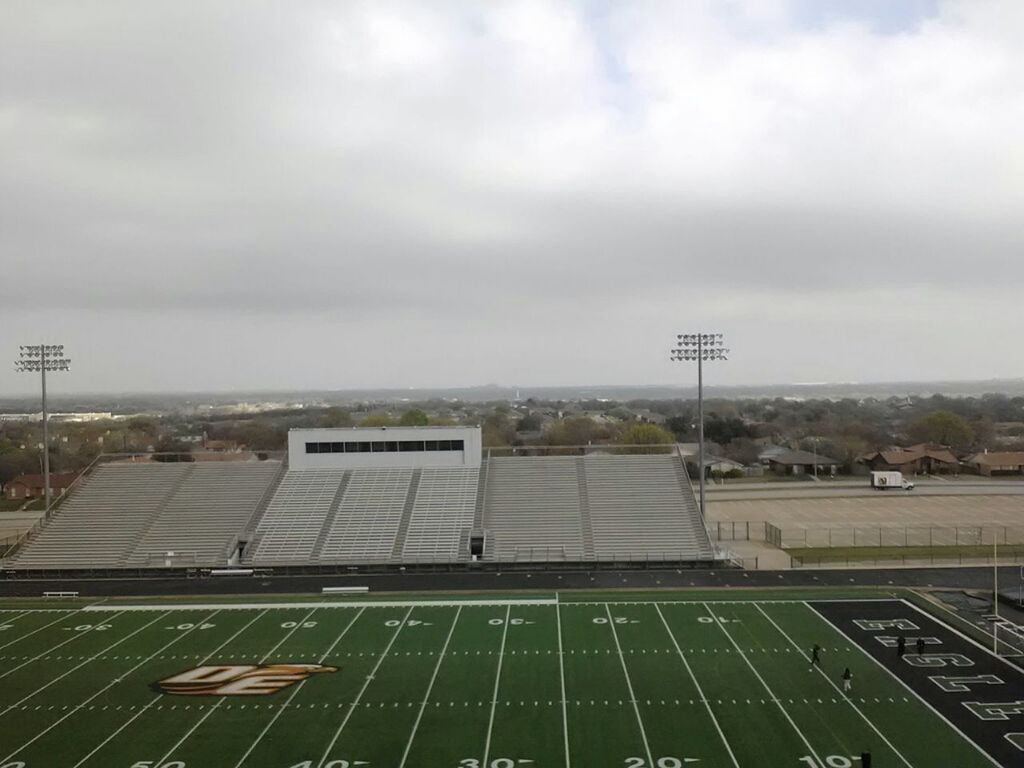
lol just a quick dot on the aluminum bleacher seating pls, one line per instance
(103, 518)
(442, 512)
(206, 513)
(532, 509)
(640, 510)
(367, 519)
(288, 530)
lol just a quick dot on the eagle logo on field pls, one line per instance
(238, 679)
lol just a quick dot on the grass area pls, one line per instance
(12, 505)
(615, 680)
(815, 555)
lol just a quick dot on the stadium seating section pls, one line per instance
(532, 509)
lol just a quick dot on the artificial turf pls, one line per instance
(627, 683)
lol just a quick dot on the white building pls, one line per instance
(384, 447)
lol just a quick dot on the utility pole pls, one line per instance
(43, 358)
(699, 347)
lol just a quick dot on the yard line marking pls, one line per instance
(48, 650)
(771, 693)
(359, 696)
(220, 701)
(157, 698)
(21, 615)
(836, 687)
(497, 682)
(77, 666)
(700, 691)
(629, 684)
(430, 687)
(108, 686)
(561, 674)
(298, 688)
(897, 679)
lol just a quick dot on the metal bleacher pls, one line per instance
(102, 520)
(288, 530)
(441, 514)
(532, 510)
(205, 514)
(366, 522)
(597, 508)
(638, 508)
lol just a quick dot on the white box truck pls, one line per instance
(882, 481)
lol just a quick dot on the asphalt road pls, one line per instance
(847, 489)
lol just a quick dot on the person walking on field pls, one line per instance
(920, 646)
(901, 646)
(847, 680)
(815, 656)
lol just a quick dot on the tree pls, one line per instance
(576, 430)
(414, 418)
(646, 434)
(377, 420)
(336, 417)
(944, 428)
(530, 423)
(724, 430)
(175, 449)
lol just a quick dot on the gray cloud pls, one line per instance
(524, 191)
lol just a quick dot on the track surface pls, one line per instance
(490, 682)
(965, 578)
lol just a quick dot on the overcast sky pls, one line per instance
(262, 195)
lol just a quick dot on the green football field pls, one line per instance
(527, 681)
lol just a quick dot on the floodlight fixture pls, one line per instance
(699, 347)
(41, 358)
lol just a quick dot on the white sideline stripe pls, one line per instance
(74, 636)
(430, 688)
(80, 665)
(359, 696)
(497, 682)
(700, 691)
(561, 675)
(157, 698)
(107, 687)
(970, 741)
(836, 687)
(956, 631)
(350, 604)
(220, 701)
(771, 693)
(298, 688)
(29, 634)
(629, 684)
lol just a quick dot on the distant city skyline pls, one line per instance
(307, 195)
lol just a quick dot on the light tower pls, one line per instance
(699, 347)
(43, 358)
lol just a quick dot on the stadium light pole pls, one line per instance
(699, 347)
(43, 358)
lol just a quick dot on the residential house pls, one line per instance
(921, 459)
(803, 463)
(996, 463)
(32, 486)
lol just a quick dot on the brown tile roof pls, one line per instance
(997, 458)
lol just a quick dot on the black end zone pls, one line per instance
(979, 694)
